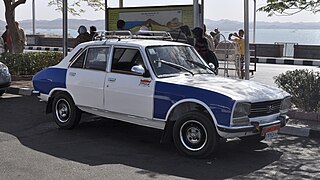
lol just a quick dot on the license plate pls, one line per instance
(270, 132)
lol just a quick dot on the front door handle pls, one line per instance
(72, 74)
(112, 79)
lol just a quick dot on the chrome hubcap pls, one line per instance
(62, 110)
(193, 135)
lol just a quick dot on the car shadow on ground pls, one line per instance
(98, 141)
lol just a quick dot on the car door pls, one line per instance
(86, 77)
(126, 92)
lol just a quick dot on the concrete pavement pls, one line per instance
(296, 126)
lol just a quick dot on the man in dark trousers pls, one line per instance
(7, 40)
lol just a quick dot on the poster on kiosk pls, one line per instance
(159, 18)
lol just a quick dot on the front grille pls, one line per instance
(265, 108)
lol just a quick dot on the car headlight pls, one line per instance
(241, 114)
(285, 105)
(4, 68)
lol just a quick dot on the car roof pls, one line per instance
(134, 42)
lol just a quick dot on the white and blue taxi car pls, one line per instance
(164, 85)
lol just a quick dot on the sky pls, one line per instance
(214, 9)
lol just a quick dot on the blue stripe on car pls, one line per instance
(47, 79)
(166, 94)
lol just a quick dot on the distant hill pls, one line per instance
(226, 24)
(223, 24)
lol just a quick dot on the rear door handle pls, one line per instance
(112, 79)
(72, 74)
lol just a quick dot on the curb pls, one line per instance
(45, 48)
(301, 132)
(287, 61)
(20, 91)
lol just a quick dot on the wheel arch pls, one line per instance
(184, 105)
(52, 94)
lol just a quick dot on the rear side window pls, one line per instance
(94, 58)
(97, 58)
(78, 63)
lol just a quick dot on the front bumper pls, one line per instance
(5, 80)
(5, 86)
(254, 128)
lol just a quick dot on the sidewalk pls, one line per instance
(305, 128)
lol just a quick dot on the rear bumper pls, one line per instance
(255, 128)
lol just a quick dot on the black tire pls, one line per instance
(65, 113)
(2, 92)
(195, 135)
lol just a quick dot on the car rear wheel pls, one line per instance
(65, 113)
(194, 135)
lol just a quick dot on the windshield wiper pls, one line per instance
(202, 66)
(177, 66)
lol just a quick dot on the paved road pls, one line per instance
(266, 72)
(32, 147)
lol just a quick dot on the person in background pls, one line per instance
(22, 36)
(209, 39)
(1, 46)
(239, 39)
(216, 36)
(93, 32)
(7, 40)
(186, 30)
(121, 25)
(83, 36)
(201, 46)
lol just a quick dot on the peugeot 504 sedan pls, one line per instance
(163, 85)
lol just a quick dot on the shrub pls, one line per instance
(304, 86)
(30, 63)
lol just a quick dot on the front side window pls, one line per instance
(174, 60)
(124, 59)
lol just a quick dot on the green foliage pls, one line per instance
(74, 7)
(304, 86)
(290, 7)
(30, 63)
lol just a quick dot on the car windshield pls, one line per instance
(169, 61)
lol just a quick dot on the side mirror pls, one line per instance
(211, 65)
(138, 70)
(213, 68)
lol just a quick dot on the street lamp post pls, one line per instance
(65, 27)
(33, 18)
(246, 38)
(254, 20)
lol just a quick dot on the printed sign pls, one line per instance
(167, 18)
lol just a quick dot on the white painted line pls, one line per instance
(279, 61)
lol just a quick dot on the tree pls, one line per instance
(75, 7)
(10, 6)
(290, 7)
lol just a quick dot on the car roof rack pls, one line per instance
(154, 35)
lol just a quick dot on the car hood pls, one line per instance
(239, 90)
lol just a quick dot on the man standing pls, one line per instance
(239, 39)
(22, 37)
(6, 37)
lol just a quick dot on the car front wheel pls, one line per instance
(65, 113)
(2, 92)
(194, 135)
